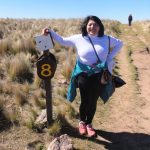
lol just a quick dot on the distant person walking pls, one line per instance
(130, 18)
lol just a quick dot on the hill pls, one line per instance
(121, 124)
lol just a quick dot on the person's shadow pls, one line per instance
(125, 140)
(113, 140)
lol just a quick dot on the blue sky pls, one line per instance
(104, 9)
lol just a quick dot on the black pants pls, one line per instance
(89, 87)
(130, 22)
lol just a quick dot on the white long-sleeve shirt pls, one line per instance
(84, 50)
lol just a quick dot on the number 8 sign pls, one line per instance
(46, 70)
(46, 66)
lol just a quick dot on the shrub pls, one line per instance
(20, 68)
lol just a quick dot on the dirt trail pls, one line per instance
(126, 125)
(130, 106)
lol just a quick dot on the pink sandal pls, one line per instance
(82, 128)
(90, 131)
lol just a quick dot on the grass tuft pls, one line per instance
(20, 98)
(20, 68)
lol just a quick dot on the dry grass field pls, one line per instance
(122, 123)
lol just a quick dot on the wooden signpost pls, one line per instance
(48, 101)
(46, 67)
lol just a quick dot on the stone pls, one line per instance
(61, 143)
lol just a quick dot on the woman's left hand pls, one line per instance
(45, 31)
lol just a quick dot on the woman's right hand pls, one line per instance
(45, 31)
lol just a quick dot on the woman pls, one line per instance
(88, 66)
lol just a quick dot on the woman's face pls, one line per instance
(92, 28)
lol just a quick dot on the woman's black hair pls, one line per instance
(97, 20)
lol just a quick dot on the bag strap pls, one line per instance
(95, 49)
(109, 45)
(50, 34)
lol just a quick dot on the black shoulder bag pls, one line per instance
(106, 75)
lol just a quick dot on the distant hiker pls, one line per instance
(88, 68)
(130, 18)
(147, 49)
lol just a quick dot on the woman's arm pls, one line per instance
(69, 41)
(115, 45)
